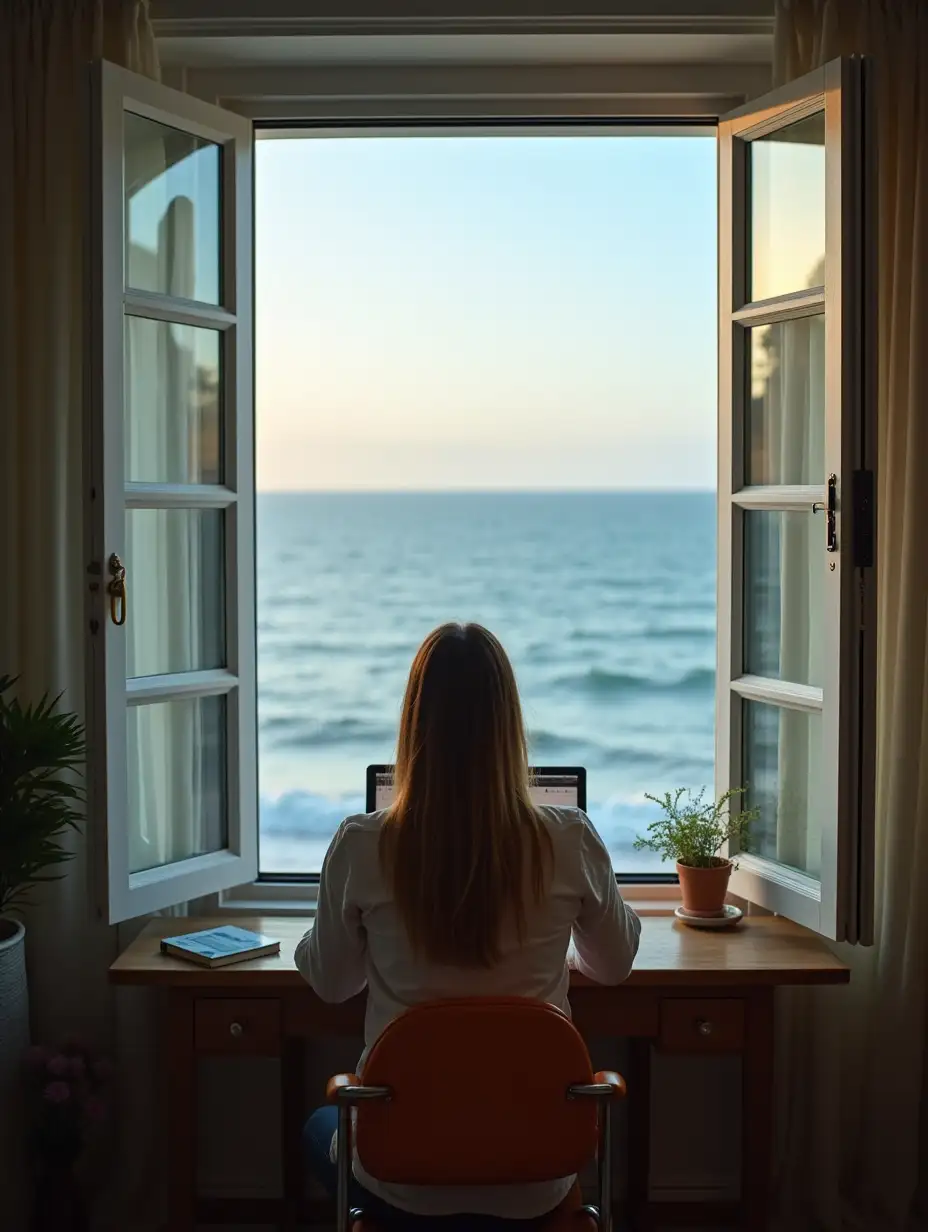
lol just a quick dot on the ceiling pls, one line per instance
(202, 50)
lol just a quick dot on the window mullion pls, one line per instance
(179, 496)
(176, 311)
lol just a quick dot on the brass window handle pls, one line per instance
(116, 589)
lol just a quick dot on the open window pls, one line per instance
(172, 555)
(796, 611)
(171, 570)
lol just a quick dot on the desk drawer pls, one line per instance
(246, 1026)
(709, 1025)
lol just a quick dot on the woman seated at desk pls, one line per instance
(462, 887)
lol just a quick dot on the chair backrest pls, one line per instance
(479, 1095)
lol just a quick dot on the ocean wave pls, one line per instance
(305, 813)
(300, 824)
(603, 682)
(590, 635)
(548, 747)
(300, 733)
(681, 632)
(295, 600)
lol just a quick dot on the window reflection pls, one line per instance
(785, 437)
(172, 211)
(787, 208)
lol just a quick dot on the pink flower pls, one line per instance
(95, 1108)
(57, 1092)
(37, 1056)
(77, 1067)
(59, 1065)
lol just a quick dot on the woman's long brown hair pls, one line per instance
(462, 843)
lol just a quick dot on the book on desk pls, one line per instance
(217, 947)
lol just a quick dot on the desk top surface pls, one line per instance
(762, 950)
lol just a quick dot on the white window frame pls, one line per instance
(122, 895)
(839, 904)
(276, 93)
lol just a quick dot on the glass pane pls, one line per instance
(176, 764)
(782, 756)
(172, 426)
(176, 590)
(172, 211)
(784, 595)
(785, 431)
(787, 204)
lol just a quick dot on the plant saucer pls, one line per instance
(730, 916)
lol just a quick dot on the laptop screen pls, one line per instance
(561, 785)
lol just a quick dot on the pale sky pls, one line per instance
(437, 312)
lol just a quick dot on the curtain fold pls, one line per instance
(851, 1144)
(45, 50)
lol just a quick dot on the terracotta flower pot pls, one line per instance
(703, 889)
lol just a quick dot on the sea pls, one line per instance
(605, 602)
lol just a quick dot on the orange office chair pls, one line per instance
(482, 1091)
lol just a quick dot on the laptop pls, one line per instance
(560, 785)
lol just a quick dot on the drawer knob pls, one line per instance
(237, 1030)
(704, 1026)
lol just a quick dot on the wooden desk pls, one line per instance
(690, 992)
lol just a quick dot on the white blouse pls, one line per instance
(358, 940)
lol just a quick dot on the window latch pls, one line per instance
(116, 589)
(830, 508)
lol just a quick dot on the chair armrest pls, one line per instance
(339, 1083)
(349, 1089)
(608, 1077)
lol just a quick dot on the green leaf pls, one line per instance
(42, 755)
(693, 832)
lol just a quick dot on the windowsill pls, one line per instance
(294, 898)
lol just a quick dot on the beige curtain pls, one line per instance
(45, 50)
(851, 1144)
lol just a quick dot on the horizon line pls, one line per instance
(467, 491)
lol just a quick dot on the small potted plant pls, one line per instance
(692, 831)
(66, 1090)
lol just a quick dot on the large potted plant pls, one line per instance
(692, 831)
(41, 797)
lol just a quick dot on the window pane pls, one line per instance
(176, 763)
(172, 426)
(176, 590)
(787, 203)
(782, 760)
(784, 595)
(172, 211)
(785, 431)
(456, 348)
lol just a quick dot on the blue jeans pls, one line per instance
(317, 1142)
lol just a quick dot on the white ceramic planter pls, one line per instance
(14, 1039)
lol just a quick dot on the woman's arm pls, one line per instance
(605, 935)
(330, 957)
